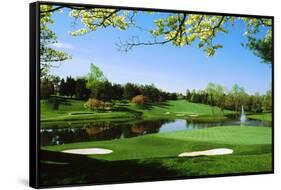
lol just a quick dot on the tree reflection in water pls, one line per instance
(98, 131)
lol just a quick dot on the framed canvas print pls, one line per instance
(126, 94)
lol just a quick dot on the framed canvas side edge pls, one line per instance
(34, 61)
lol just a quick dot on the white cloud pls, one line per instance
(60, 45)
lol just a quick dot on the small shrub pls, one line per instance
(93, 104)
(139, 99)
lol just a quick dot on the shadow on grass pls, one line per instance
(146, 106)
(63, 169)
(138, 114)
(150, 105)
(58, 100)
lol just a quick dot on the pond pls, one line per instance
(67, 132)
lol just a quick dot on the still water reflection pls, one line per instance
(91, 131)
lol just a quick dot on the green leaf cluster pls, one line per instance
(48, 55)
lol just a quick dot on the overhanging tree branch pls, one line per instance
(134, 41)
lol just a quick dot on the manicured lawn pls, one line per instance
(48, 112)
(152, 156)
(75, 110)
(155, 156)
(178, 108)
(173, 143)
(263, 116)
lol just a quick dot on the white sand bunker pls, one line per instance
(212, 152)
(87, 151)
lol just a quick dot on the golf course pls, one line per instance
(154, 154)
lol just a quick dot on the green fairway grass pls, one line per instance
(145, 155)
(263, 116)
(173, 143)
(75, 110)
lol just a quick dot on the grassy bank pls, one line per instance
(75, 110)
(155, 156)
(262, 117)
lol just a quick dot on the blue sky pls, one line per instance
(170, 68)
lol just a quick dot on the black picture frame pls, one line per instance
(34, 90)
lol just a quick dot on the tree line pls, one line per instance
(217, 95)
(97, 89)
(213, 94)
(105, 91)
